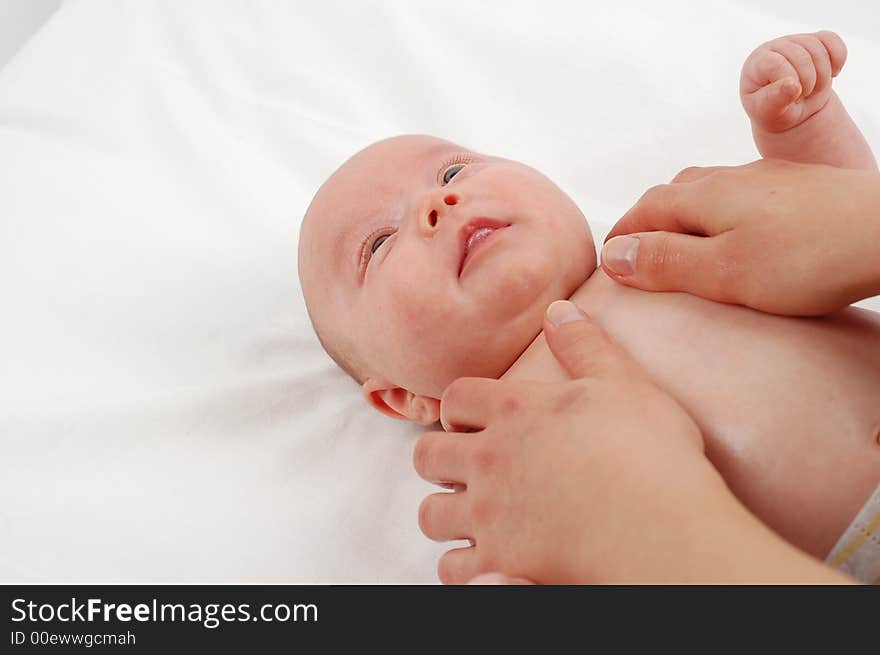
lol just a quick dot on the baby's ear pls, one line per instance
(396, 402)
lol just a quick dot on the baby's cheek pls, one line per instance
(420, 335)
(416, 310)
(523, 284)
(403, 301)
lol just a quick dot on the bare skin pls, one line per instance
(564, 483)
(748, 415)
(755, 429)
(785, 88)
(787, 406)
(753, 235)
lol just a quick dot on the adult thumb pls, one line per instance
(662, 261)
(498, 579)
(580, 346)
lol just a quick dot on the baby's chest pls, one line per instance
(757, 377)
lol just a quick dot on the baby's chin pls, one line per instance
(480, 357)
(521, 306)
(433, 385)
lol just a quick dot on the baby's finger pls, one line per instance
(763, 68)
(836, 50)
(821, 59)
(798, 57)
(444, 516)
(773, 103)
(458, 565)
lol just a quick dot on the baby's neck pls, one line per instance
(595, 296)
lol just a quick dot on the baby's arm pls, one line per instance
(785, 88)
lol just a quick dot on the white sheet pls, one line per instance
(166, 414)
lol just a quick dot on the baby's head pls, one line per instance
(421, 262)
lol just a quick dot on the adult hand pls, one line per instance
(785, 238)
(598, 479)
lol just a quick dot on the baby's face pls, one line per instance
(427, 262)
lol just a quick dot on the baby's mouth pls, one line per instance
(473, 235)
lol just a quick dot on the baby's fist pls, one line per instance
(787, 80)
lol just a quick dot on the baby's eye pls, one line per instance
(451, 172)
(378, 242)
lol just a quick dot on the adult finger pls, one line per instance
(468, 404)
(694, 173)
(580, 346)
(666, 261)
(444, 516)
(458, 565)
(666, 207)
(440, 457)
(495, 578)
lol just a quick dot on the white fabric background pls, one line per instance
(166, 414)
(19, 20)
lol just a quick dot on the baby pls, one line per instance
(422, 261)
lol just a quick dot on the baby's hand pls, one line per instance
(787, 80)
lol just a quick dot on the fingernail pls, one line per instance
(489, 579)
(619, 255)
(563, 311)
(790, 87)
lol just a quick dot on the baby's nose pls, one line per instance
(434, 216)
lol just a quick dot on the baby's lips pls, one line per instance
(454, 486)
(469, 229)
